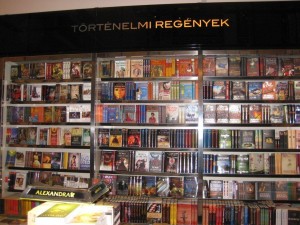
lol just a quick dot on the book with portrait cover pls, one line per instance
(158, 67)
(254, 90)
(209, 66)
(87, 69)
(111, 182)
(36, 160)
(20, 181)
(221, 66)
(73, 161)
(119, 91)
(134, 138)
(187, 67)
(122, 160)
(107, 160)
(271, 66)
(128, 113)
(156, 161)
(152, 114)
(136, 67)
(163, 138)
(164, 90)
(141, 163)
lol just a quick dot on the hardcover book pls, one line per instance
(122, 160)
(156, 161)
(19, 158)
(87, 69)
(73, 161)
(252, 66)
(281, 190)
(254, 90)
(289, 163)
(190, 187)
(121, 68)
(176, 187)
(158, 67)
(238, 90)
(75, 70)
(249, 190)
(223, 164)
(221, 66)
(255, 113)
(105, 68)
(225, 139)
(134, 138)
(171, 162)
(57, 70)
(219, 90)
(222, 113)
(246, 139)
(268, 90)
(107, 160)
(265, 190)
(129, 113)
(271, 66)
(287, 67)
(10, 158)
(141, 163)
(122, 185)
(172, 114)
(162, 186)
(46, 160)
(164, 90)
(209, 66)
(256, 163)
(163, 138)
(115, 138)
(56, 160)
(142, 91)
(103, 137)
(20, 181)
(234, 66)
(276, 113)
(187, 67)
(242, 164)
(152, 114)
(268, 139)
(119, 91)
(191, 113)
(282, 90)
(136, 67)
(149, 186)
(84, 163)
(186, 90)
(216, 189)
(234, 113)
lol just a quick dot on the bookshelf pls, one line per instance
(46, 120)
(250, 132)
(146, 129)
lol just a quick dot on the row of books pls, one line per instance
(253, 163)
(160, 186)
(149, 114)
(148, 138)
(78, 113)
(256, 65)
(263, 213)
(251, 190)
(251, 90)
(53, 136)
(19, 180)
(251, 113)
(18, 207)
(251, 139)
(152, 90)
(156, 67)
(149, 161)
(48, 160)
(167, 211)
(52, 70)
(49, 93)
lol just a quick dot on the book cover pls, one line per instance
(36, 114)
(86, 91)
(221, 66)
(209, 66)
(281, 190)
(122, 160)
(56, 160)
(10, 158)
(48, 114)
(186, 90)
(73, 161)
(136, 67)
(172, 113)
(25, 70)
(222, 113)
(149, 185)
(252, 66)
(163, 138)
(20, 181)
(122, 185)
(187, 67)
(190, 188)
(36, 160)
(209, 113)
(75, 92)
(249, 190)
(67, 137)
(14, 72)
(234, 113)
(142, 91)
(75, 70)
(171, 162)
(103, 137)
(129, 113)
(86, 137)
(219, 90)
(105, 68)
(268, 139)
(19, 158)
(115, 138)
(238, 90)
(57, 70)
(265, 190)
(223, 164)
(216, 189)
(134, 138)
(191, 113)
(46, 160)
(282, 90)
(111, 182)
(158, 67)
(225, 138)
(59, 114)
(121, 68)
(152, 114)
(176, 187)
(107, 160)
(288, 163)
(141, 163)
(119, 91)
(31, 135)
(254, 90)
(87, 69)
(76, 136)
(297, 90)
(287, 67)
(164, 90)
(271, 66)
(255, 113)
(256, 163)
(162, 186)
(234, 66)
(54, 136)
(242, 164)
(276, 113)
(156, 161)
(36, 92)
(268, 90)
(84, 163)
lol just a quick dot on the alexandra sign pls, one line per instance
(158, 24)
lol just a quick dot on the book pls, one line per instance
(191, 114)
(76, 136)
(75, 92)
(142, 91)
(234, 113)
(225, 140)
(86, 91)
(156, 161)
(171, 162)
(121, 68)
(46, 160)
(256, 163)
(265, 190)
(134, 138)
(19, 158)
(105, 68)
(122, 160)
(287, 67)
(268, 139)
(107, 160)
(219, 90)
(141, 163)
(249, 190)
(75, 70)
(288, 163)
(246, 139)
(36, 160)
(85, 161)
(242, 164)
(115, 138)
(111, 182)
(119, 91)
(209, 113)
(190, 186)
(216, 189)
(186, 90)
(87, 69)
(209, 66)
(281, 190)
(255, 90)
(163, 138)
(36, 114)
(59, 114)
(164, 90)
(271, 66)
(103, 137)
(73, 161)
(238, 90)
(54, 136)
(252, 66)
(221, 66)
(56, 160)
(10, 158)
(58, 213)
(122, 185)
(152, 114)
(57, 70)
(158, 67)
(222, 113)
(297, 90)
(36, 92)
(136, 67)
(223, 164)
(186, 67)
(268, 90)
(172, 114)
(20, 181)
(255, 113)
(162, 186)
(86, 137)
(176, 186)
(281, 90)
(129, 114)
(149, 185)
(234, 66)
(276, 113)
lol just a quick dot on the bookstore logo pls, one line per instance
(148, 25)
